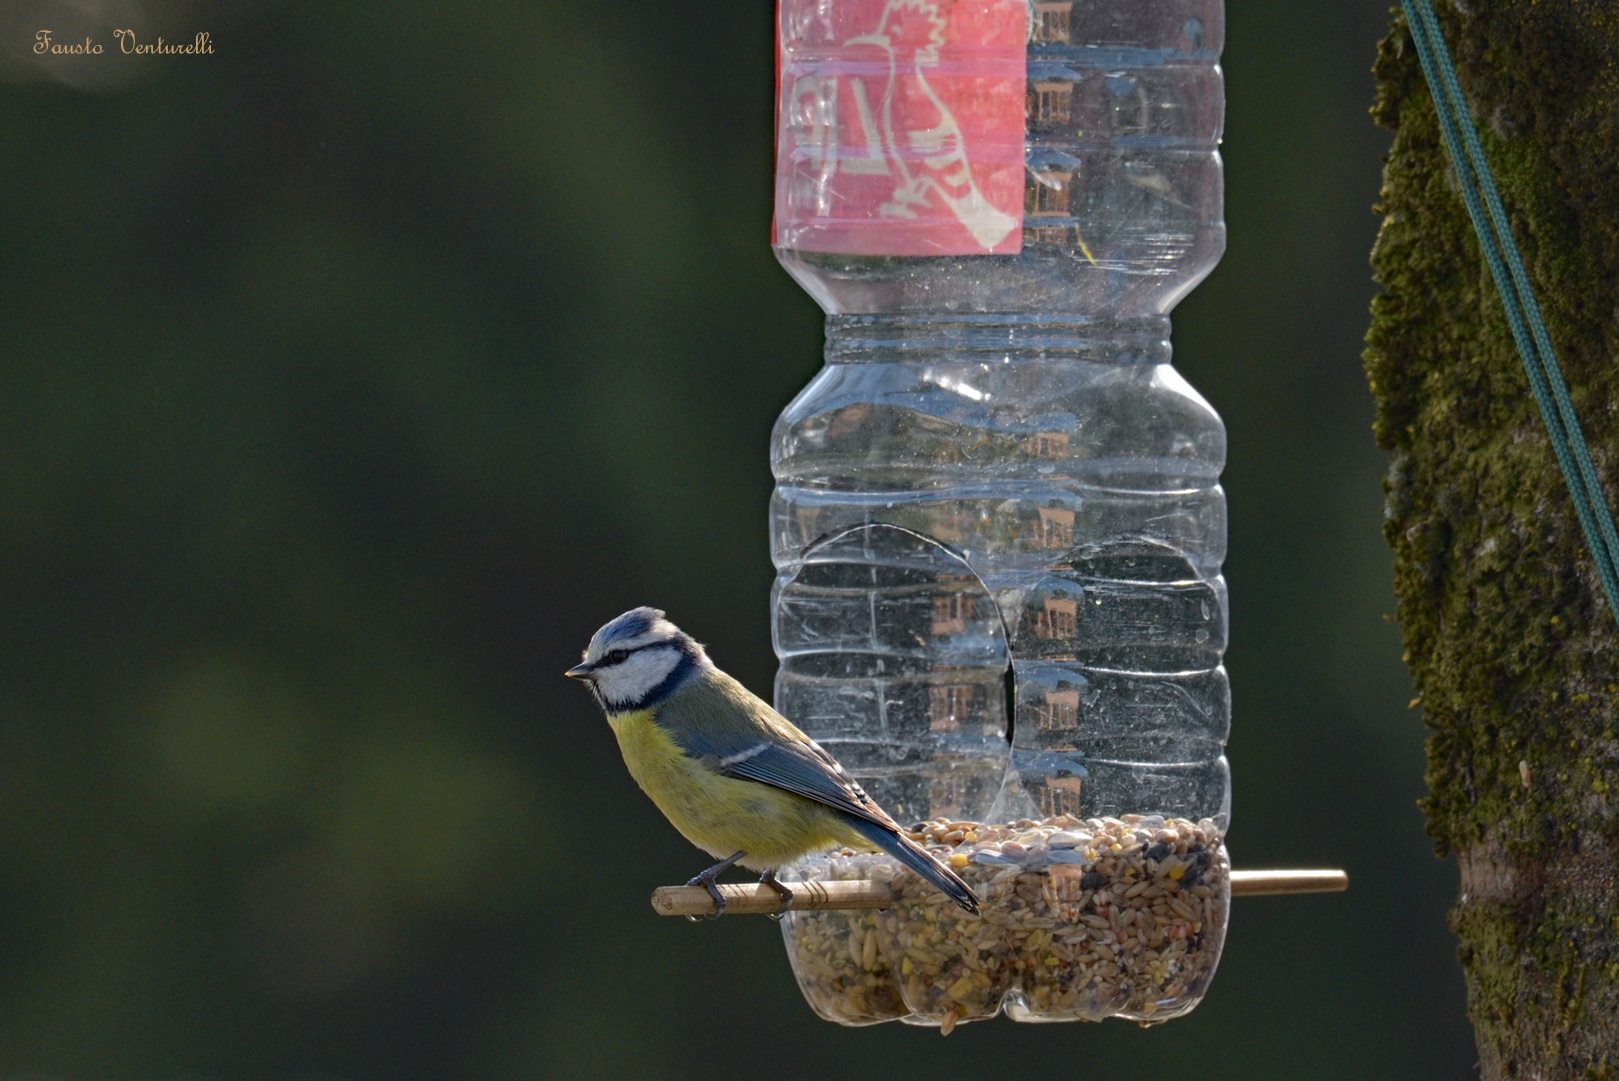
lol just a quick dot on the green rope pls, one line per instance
(1523, 314)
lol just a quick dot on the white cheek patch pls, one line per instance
(636, 676)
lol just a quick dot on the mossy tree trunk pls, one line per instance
(1512, 648)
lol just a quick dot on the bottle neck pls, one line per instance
(913, 338)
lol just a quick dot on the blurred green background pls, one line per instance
(354, 374)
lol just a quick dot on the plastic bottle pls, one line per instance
(998, 525)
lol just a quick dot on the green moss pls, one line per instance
(1479, 519)
(1500, 943)
(1510, 643)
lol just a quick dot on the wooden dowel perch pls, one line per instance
(755, 898)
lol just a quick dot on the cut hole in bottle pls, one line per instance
(894, 657)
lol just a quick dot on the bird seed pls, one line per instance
(1083, 919)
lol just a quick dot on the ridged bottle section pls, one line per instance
(1055, 490)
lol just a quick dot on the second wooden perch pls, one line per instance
(753, 898)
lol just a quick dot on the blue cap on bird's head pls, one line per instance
(638, 659)
(632, 625)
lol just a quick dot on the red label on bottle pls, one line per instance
(900, 126)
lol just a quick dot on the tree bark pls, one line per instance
(1513, 650)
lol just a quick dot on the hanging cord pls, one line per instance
(1523, 314)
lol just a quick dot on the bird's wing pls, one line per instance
(807, 770)
(767, 748)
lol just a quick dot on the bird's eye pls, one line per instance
(613, 658)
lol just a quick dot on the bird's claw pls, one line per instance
(706, 880)
(714, 892)
(786, 895)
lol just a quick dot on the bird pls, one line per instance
(736, 778)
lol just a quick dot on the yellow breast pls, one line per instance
(719, 814)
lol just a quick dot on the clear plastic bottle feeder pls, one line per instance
(998, 523)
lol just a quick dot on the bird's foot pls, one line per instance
(706, 880)
(786, 895)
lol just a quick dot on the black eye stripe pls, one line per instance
(614, 657)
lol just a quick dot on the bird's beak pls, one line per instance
(580, 671)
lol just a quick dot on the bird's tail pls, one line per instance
(916, 857)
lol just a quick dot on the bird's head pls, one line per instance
(638, 660)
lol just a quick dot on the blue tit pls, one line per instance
(735, 777)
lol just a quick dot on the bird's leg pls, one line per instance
(706, 880)
(786, 895)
